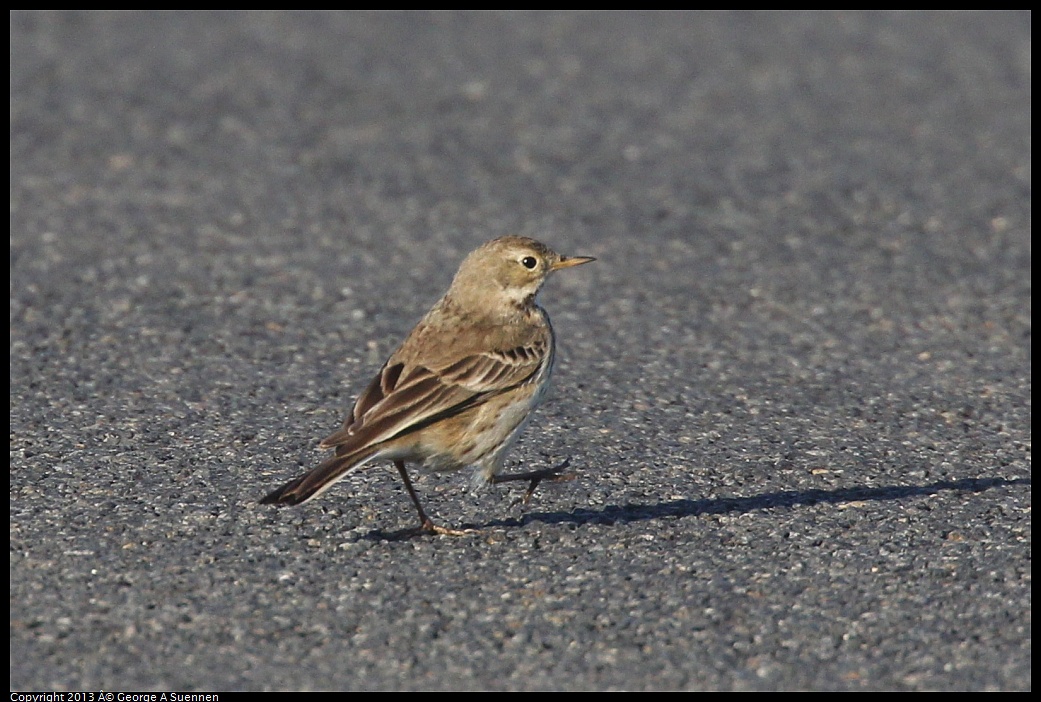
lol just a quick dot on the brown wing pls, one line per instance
(401, 399)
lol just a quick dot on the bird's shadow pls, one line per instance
(637, 512)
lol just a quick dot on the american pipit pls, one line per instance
(460, 388)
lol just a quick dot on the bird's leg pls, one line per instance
(553, 475)
(425, 523)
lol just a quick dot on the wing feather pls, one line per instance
(402, 399)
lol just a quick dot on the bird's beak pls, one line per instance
(569, 261)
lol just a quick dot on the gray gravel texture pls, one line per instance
(795, 387)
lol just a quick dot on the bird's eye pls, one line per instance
(529, 262)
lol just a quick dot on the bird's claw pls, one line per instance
(550, 475)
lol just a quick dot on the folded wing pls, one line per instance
(403, 398)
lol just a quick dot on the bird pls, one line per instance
(460, 388)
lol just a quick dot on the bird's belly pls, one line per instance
(484, 435)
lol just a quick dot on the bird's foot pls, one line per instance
(428, 527)
(550, 475)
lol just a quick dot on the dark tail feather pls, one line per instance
(310, 484)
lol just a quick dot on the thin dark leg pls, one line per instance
(425, 523)
(553, 475)
(424, 520)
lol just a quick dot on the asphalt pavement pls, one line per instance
(794, 388)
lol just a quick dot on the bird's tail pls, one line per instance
(318, 480)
